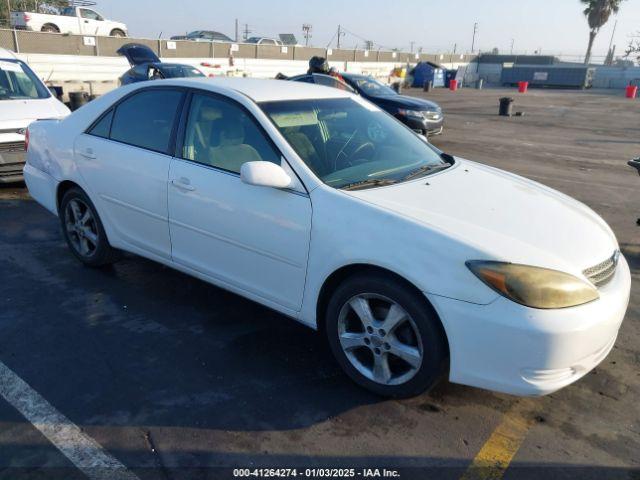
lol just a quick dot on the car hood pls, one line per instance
(138, 54)
(502, 216)
(403, 101)
(20, 113)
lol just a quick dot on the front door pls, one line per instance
(253, 239)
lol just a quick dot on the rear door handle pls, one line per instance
(183, 184)
(88, 153)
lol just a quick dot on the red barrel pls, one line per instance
(523, 87)
(632, 90)
(453, 85)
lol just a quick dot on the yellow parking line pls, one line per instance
(496, 454)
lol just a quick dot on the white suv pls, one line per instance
(23, 99)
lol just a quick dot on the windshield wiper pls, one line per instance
(373, 182)
(426, 169)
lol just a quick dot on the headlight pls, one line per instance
(411, 113)
(533, 286)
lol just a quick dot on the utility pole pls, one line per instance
(615, 25)
(340, 34)
(473, 42)
(412, 44)
(306, 28)
(246, 32)
(455, 48)
(237, 38)
(513, 41)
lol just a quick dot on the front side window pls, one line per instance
(221, 134)
(17, 81)
(89, 14)
(349, 143)
(146, 119)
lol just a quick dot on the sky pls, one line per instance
(551, 26)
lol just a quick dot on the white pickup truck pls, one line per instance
(74, 20)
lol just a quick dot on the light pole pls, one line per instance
(473, 42)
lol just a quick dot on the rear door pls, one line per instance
(124, 158)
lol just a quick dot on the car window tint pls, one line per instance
(332, 82)
(146, 119)
(89, 14)
(103, 127)
(221, 134)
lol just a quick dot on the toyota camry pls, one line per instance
(414, 264)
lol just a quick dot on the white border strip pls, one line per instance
(84, 452)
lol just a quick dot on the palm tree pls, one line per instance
(598, 13)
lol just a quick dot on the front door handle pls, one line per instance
(183, 184)
(88, 154)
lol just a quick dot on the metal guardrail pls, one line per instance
(23, 41)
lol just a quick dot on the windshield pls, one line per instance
(180, 71)
(17, 81)
(371, 86)
(349, 143)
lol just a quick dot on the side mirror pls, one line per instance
(264, 174)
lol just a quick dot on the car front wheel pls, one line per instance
(386, 336)
(83, 230)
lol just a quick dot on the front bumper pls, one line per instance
(423, 126)
(509, 348)
(11, 165)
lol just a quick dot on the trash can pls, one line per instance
(523, 87)
(506, 106)
(632, 91)
(453, 85)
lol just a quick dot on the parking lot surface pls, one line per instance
(175, 378)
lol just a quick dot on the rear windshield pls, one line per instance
(17, 81)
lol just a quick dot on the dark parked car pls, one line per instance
(204, 36)
(145, 65)
(420, 115)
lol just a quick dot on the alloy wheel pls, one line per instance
(380, 339)
(81, 227)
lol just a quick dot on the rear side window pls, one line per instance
(103, 127)
(146, 119)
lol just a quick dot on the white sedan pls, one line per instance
(316, 203)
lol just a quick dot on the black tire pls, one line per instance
(50, 28)
(116, 32)
(424, 322)
(101, 253)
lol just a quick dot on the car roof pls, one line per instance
(263, 90)
(4, 53)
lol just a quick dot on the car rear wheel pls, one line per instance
(385, 336)
(83, 230)
(49, 28)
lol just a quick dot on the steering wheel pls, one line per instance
(363, 152)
